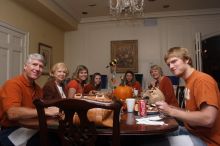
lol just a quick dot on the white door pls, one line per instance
(12, 51)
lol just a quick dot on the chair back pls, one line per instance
(83, 133)
(139, 78)
(104, 83)
(175, 80)
(180, 91)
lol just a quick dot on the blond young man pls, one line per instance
(201, 116)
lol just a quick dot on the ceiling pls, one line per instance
(67, 14)
(97, 8)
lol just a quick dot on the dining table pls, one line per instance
(128, 125)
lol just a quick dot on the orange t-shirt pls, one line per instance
(202, 88)
(76, 85)
(17, 92)
(166, 87)
(136, 85)
(89, 87)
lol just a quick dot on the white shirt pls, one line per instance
(61, 91)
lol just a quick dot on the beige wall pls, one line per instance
(39, 29)
(90, 44)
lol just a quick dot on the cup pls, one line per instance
(135, 92)
(130, 104)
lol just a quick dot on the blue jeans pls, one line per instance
(179, 137)
(183, 131)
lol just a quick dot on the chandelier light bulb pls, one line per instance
(126, 7)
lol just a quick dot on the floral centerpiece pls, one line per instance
(113, 66)
(119, 91)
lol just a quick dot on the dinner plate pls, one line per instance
(154, 118)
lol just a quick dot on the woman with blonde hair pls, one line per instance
(164, 84)
(54, 87)
(79, 79)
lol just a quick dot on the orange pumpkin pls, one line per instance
(123, 92)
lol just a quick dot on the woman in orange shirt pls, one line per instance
(79, 79)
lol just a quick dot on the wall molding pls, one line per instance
(154, 15)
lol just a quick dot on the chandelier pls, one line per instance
(126, 7)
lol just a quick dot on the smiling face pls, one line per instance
(60, 74)
(83, 75)
(33, 69)
(155, 73)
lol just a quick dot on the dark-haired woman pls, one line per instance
(94, 85)
(130, 80)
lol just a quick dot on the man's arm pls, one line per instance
(21, 113)
(205, 117)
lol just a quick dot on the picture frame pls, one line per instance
(126, 53)
(46, 52)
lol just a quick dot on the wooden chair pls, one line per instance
(83, 134)
(180, 96)
(139, 78)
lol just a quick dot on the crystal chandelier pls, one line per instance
(126, 7)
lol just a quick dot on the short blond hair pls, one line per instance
(179, 52)
(58, 66)
(156, 67)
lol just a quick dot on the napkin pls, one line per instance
(151, 120)
(20, 136)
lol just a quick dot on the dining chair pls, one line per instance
(83, 133)
(174, 79)
(180, 96)
(139, 78)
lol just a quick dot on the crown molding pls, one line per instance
(154, 15)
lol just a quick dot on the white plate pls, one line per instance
(154, 118)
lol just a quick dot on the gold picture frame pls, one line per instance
(126, 53)
(46, 52)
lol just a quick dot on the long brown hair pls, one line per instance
(75, 75)
(124, 81)
(97, 87)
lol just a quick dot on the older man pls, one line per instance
(17, 95)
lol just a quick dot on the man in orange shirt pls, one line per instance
(202, 101)
(16, 98)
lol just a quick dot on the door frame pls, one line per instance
(204, 37)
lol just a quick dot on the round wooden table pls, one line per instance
(128, 126)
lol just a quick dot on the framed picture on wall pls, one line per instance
(126, 53)
(46, 52)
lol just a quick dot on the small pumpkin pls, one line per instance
(123, 92)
